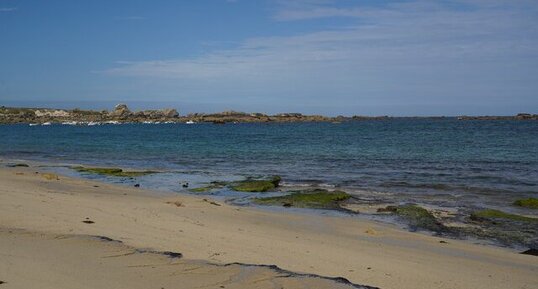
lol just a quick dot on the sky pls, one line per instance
(362, 57)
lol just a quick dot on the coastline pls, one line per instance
(121, 114)
(364, 252)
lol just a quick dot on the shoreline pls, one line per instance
(455, 224)
(362, 251)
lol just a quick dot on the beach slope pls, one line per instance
(39, 209)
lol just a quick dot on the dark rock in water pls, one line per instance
(533, 252)
(185, 184)
(137, 185)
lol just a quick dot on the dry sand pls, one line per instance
(364, 252)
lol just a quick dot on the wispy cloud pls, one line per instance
(8, 9)
(410, 49)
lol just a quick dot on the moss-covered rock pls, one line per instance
(318, 199)
(253, 186)
(418, 217)
(493, 215)
(256, 185)
(115, 172)
(531, 203)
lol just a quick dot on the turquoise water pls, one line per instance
(443, 162)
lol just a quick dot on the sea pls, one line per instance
(437, 162)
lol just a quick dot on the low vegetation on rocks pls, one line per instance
(115, 172)
(317, 199)
(256, 186)
(531, 203)
(493, 215)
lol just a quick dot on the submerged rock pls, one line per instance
(508, 229)
(388, 209)
(212, 186)
(419, 218)
(317, 199)
(492, 215)
(115, 172)
(256, 185)
(531, 203)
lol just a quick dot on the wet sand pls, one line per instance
(38, 260)
(40, 211)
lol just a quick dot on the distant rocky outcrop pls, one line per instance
(121, 110)
(519, 116)
(122, 114)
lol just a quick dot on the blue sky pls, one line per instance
(313, 56)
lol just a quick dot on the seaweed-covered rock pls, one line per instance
(115, 172)
(212, 186)
(318, 199)
(496, 215)
(418, 217)
(531, 203)
(256, 185)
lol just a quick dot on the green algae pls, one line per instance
(418, 217)
(256, 186)
(531, 203)
(317, 199)
(508, 229)
(212, 186)
(115, 172)
(491, 214)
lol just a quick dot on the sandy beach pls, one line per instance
(47, 224)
